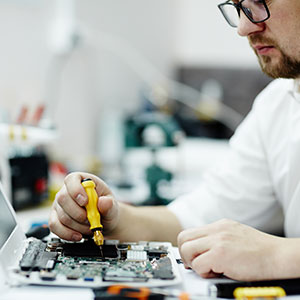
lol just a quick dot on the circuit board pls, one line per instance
(57, 262)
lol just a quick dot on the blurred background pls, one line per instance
(143, 93)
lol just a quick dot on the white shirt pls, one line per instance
(259, 182)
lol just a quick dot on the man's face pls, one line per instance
(276, 42)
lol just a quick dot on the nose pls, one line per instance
(246, 27)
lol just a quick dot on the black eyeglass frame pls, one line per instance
(239, 6)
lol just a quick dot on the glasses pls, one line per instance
(255, 10)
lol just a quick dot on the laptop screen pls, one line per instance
(7, 220)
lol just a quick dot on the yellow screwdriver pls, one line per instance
(93, 214)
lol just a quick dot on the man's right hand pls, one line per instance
(68, 217)
(120, 221)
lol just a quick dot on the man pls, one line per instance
(257, 188)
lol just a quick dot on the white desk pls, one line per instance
(191, 283)
(28, 216)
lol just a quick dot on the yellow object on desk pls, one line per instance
(250, 293)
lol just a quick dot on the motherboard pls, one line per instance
(58, 262)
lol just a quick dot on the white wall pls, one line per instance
(97, 75)
(23, 51)
(204, 38)
(93, 81)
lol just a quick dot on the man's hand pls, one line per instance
(68, 215)
(236, 251)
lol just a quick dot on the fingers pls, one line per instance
(76, 190)
(194, 242)
(63, 202)
(109, 211)
(188, 250)
(101, 187)
(61, 230)
(190, 234)
(72, 198)
(69, 222)
(108, 207)
(193, 248)
(204, 265)
(209, 229)
(198, 255)
(68, 216)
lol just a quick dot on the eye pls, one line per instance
(258, 2)
(248, 12)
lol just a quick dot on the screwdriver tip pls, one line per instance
(98, 238)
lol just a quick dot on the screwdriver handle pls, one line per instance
(93, 214)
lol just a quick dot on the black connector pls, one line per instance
(38, 232)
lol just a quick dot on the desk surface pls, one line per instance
(36, 215)
(192, 283)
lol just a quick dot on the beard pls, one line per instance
(286, 67)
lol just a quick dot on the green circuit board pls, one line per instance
(114, 262)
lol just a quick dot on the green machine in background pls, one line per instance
(154, 131)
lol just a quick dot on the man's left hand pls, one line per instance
(232, 249)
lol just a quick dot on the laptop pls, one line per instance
(56, 262)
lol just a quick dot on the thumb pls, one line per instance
(109, 211)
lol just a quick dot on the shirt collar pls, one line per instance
(295, 90)
(297, 86)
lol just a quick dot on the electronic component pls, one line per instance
(47, 276)
(133, 255)
(32, 255)
(82, 263)
(89, 249)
